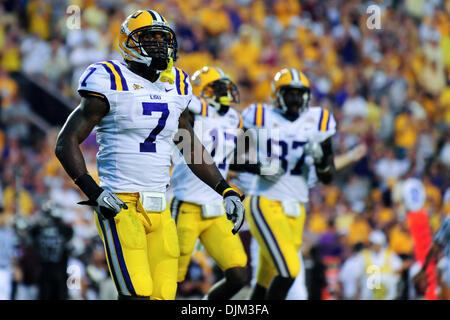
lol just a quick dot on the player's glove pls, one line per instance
(314, 149)
(105, 203)
(271, 171)
(234, 208)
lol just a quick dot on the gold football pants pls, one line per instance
(279, 237)
(214, 233)
(141, 249)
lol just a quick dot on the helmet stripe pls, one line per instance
(152, 14)
(221, 73)
(304, 79)
(160, 16)
(295, 76)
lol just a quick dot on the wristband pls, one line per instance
(90, 188)
(226, 191)
(221, 187)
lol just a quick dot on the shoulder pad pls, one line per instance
(322, 122)
(323, 119)
(254, 115)
(103, 77)
(198, 106)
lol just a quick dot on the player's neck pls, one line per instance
(145, 72)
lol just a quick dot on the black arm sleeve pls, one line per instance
(325, 168)
(246, 166)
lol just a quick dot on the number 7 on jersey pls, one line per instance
(149, 144)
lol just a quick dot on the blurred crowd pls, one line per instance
(388, 88)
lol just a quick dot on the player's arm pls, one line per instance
(207, 171)
(325, 166)
(322, 153)
(242, 160)
(77, 128)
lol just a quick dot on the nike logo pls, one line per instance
(105, 199)
(168, 90)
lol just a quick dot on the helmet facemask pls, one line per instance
(293, 100)
(155, 44)
(220, 94)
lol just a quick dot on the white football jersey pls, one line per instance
(135, 137)
(285, 140)
(218, 135)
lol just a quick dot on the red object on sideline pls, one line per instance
(420, 230)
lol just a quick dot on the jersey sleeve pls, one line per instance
(323, 122)
(254, 116)
(198, 106)
(97, 80)
(234, 119)
(326, 125)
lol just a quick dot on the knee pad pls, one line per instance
(142, 284)
(165, 279)
(167, 291)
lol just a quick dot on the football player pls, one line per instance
(198, 210)
(137, 105)
(297, 138)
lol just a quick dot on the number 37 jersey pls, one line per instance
(285, 141)
(135, 137)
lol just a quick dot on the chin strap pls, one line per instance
(225, 101)
(221, 106)
(167, 75)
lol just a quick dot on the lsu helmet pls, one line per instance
(291, 92)
(212, 84)
(138, 40)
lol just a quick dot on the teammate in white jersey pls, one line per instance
(137, 107)
(298, 138)
(197, 209)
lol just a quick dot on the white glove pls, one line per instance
(314, 149)
(271, 171)
(234, 209)
(107, 205)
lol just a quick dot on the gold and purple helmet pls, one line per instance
(216, 87)
(138, 41)
(289, 79)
